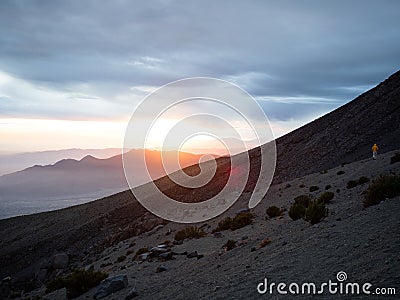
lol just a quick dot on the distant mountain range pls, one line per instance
(12, 162)
(70, 181)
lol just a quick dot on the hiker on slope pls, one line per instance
(374, 151)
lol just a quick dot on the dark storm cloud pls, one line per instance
(327, 50)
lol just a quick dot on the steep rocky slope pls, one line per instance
(345, 135)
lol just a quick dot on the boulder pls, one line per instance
(111, 285)
(60, 261)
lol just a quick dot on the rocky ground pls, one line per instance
(362, 242)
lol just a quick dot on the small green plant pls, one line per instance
(313, 188)
(274, 211)
(327, 187)
(297, 211)
(121, 258)
(239, 221)
(303, 200)
(141, 251)
(341, 172)
(76, 283)
(395, 158)
(230, 244)
(191, 232)
(325, 197)
(316, 212)
(386, 186)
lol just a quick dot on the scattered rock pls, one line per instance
(60, 261)
(161, 269)
(200, 256)
(144, 256)
(58, 294)
(243, 210)
(192, 254)
(111, 285)
(175, 242)
(156, 251)
(179, 253)
(166, 256)
(218, 235)
(132, 294)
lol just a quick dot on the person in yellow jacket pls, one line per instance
(374, 151)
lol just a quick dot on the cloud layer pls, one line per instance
(91, 59)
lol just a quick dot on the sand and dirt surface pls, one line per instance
(362, 242)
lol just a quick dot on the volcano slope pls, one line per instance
(83, 231)
(362, 242)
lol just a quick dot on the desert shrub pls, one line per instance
(224, 224)
(273, 211)
(363, 180)
(315, 212)
(301, 186)
(325, 197)
(297, 211)
(395, 158)
(141, 251)
(242, 220)
(327, 187)
(121, 258)
(230, 244)
(386, 186)
(351, 184)
(239, 221)
(303, 200)
(313, 188)
(191, 232)
(76, 283)
(341, 172)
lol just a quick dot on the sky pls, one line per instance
(72, 72)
